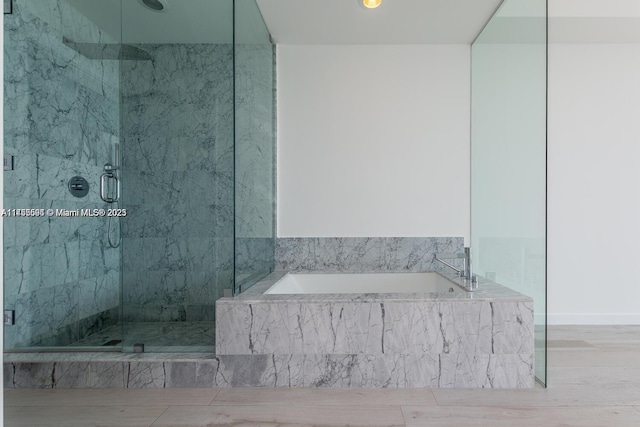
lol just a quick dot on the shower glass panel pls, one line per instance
(255, 146)
(177, 172)
(508, 156)
(61, 121)
(120, 127)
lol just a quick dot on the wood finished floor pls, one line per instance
(594, 380)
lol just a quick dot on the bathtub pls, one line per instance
(391, 329)
(359, 283)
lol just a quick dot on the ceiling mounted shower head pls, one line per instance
(155, 5)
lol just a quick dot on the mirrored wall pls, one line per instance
(142, 144)
(508, 156)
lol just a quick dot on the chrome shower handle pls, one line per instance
(103, 187)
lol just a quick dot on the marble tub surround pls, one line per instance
(469, 340)
(363, 254)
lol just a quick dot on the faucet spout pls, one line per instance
(441, 259)
(470, 280)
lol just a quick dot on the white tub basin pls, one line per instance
(362, 283)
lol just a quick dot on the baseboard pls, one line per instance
(593, 319)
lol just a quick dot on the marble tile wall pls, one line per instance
(177, 181)
(254, 259)
(61, 119)
(363, 254)
(255, 159)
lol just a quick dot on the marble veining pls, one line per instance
(177, 181)
(255, 141)
(408, 326)
(255, 155)
(363, 254)
(61, 119)
(331, 371)
(383, 341)
(480, 339)
(166, 337)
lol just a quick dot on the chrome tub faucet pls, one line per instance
(469, 279)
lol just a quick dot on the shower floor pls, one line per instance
(158, 337)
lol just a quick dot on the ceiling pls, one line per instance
(450, 21)
(570, 21)
(347, 22)
(394, 22)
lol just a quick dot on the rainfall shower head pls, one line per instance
(105, 51)
(156, 5)
(132, 53)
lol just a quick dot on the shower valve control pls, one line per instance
(9, 317)
(78, 186)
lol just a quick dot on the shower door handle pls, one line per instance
(103, 187)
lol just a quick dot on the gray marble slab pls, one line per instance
(363, 254)
(328, 370)
(466, 339)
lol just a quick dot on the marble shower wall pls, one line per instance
(255, 161)
(61, 119)
(364, 254)
(177, 181)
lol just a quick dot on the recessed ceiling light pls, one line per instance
(371, 4)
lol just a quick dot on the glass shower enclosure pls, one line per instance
(139, 137)
(508, 156)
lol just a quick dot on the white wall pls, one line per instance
(350, 165)
(594, 184)
(373, 140)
